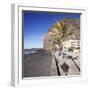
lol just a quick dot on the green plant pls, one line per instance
(61, 27)
(70, 49)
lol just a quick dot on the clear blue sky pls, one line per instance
(36, 24)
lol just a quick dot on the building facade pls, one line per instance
(71, 45)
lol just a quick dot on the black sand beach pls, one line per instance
(37, 64)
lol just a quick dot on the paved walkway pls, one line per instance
(53, 67)
(73, 70)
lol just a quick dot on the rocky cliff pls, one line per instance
(71, 28)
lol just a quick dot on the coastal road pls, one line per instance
(37, 64)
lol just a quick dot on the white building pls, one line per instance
(75, 44)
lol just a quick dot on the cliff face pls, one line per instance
(72, 31)
(73, 28)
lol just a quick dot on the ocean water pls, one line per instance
(28, 52)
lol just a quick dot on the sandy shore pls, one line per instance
(37, 64)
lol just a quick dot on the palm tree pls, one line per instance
(57, 41)
(61, 27)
